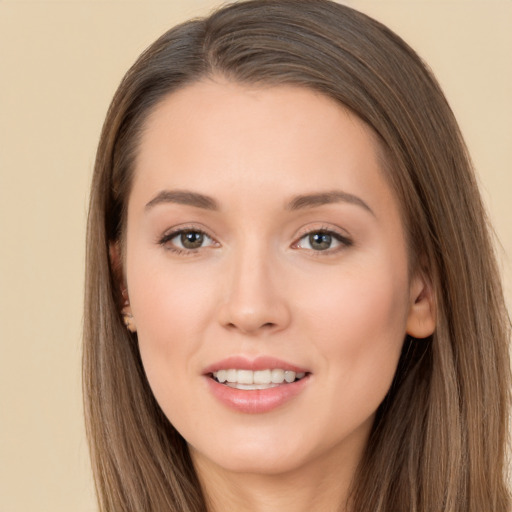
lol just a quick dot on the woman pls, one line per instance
(292, 300)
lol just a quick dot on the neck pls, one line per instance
(322, 487)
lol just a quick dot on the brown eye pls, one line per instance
(186, 240)
(323, 240)
(320, 241)
(191, 239)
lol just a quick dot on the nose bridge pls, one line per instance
(253, 298)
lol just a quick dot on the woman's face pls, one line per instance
(265, 245)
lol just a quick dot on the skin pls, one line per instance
(258, 287)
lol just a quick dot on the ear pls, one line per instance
(421, 320)
(123, 299)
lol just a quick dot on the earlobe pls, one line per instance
(128, 319)
(421, 321)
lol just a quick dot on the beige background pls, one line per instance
(60, 62)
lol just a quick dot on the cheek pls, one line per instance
(167, 298)
(358, 324)
(357, 327)
(171, 311)
(366, 300)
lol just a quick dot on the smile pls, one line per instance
(259, 379)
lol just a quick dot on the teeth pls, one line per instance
(277, 376)
(251, 386)
(260, 379)
(289, 376)
(244, 377)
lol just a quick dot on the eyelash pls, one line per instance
(344, 241)
(164, 241)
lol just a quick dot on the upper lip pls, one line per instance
(254, 364)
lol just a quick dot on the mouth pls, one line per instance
(256, 385)
(256, 380)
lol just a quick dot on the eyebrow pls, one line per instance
(183, 197)
(300, 202)
(323, 198)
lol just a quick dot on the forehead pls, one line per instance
(211, 100)
(213, 127)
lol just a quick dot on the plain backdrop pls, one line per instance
(60, 62)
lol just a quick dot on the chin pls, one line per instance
(257, 460)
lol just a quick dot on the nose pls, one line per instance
(255, 300)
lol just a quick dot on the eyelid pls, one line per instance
(343, 238)
(175, 231)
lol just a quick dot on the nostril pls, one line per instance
(250, 328)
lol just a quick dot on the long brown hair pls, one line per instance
(439, 439)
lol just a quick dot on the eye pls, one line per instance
(186, 240)
(322, 240)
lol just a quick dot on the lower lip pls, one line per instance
(256, 401)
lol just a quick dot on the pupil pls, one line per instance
(192, 239)
(320, 241)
